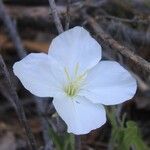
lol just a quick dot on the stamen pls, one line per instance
(73, 86)
(67, 74)
(76, 69)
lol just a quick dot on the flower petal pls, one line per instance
(109, 83)
(36, 72)
(76, 46)
(80, 115)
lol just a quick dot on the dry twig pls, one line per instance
(11, 30)
(67, 21)
(55, 16)
(53, 7)
(126, 20)
(106, 39)
(77, 142)
(22, 53)
(45, 126)
(4, 74)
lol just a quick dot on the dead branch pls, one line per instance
(131, 36)
(30, 45)
(45, 127)
(12, 31)
(38, 11)
(22, 53)
(4, 74)
(67, 19)
(136, 20)
(106, 39)
(55, 16)
(39, 16)
(78, 142)
(8, 105)
(60, 123)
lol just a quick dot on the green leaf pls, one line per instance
(62, 142)
(125, 137)
(132, 137)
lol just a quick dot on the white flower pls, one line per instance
(80, 85)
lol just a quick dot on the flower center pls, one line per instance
(73, 85)
(71, 89)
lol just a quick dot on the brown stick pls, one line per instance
(45, 127)
(39, 12)
(134, 20)
(4, 74)
(30, 45)
(12, 31)
(77, 142)
(6, 106)
(56, 16)
(67, 21)
(22, 53)
(109, 41)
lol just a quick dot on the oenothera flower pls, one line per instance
(79, 84)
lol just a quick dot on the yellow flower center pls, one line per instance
(73, 86)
